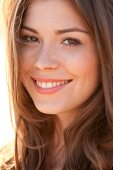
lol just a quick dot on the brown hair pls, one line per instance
(89, 139)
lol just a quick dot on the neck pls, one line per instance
(66, 119)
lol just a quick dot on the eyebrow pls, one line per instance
(71, 30)
(29, 29)
(75, 29)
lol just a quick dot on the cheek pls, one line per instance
(28, 55)
(27, 61)
(79, 66)
(81, 61)
(84, 66)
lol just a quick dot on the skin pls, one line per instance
(53, 55)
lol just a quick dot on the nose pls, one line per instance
(45, 59)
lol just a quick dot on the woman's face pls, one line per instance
(60, 67)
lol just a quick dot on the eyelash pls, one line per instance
(28, 39)
(71, 42)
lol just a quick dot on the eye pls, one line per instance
(71, 42)
(28, 39)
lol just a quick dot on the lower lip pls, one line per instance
(49, 90)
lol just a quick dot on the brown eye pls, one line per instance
(71, 42)
(29, 39)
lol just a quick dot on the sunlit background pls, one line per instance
(6, 131)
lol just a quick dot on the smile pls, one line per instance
(48, 85)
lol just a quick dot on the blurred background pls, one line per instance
(6, 131)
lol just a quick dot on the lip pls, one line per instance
(42, 79)
(49, 90)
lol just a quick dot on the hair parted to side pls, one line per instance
(89, 139)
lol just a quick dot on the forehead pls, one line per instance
(53, 12)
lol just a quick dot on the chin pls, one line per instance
(45, 109)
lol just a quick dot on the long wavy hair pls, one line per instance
(89, 138)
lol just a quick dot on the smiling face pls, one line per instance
(60, 67)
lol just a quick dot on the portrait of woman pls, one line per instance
(60, 74)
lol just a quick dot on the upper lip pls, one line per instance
(43, 79)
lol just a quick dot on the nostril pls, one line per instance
(45, 61)
(46, 65)
(49, 67)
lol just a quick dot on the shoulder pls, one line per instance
(9, 165)
(7, 157)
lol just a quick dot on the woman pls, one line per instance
(60, 56)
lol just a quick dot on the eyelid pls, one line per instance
(21, 34)
(24, 32)
(23, 38)
(73, 39)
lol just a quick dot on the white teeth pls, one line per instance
(48, 85)
(54, 84)
(66, 81)
(58, 83)
(63, 82)
(39, 84)
(43, 85)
